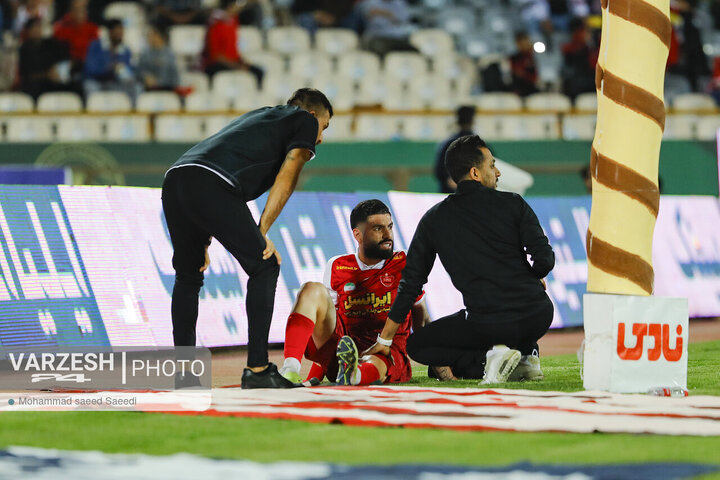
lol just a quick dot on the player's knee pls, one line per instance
(312, 292)
(189, 279)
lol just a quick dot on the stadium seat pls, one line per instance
(277, 88)
(460, 71)
(206, 102)
(232, 84)
(433, 91)
(335, 41)
(29, 129)
(79, 129)
(579, 127)
(432, 42)
(187, 40)
(199, 81)
(459, 22)
(250, 39)
(498, 101)
(694, 102)
(479, 45)
(372, 90)
(215, 123)
(376, 127)
(178, 128)
(131, 13)
(586, 102)
(707, 127)
(245, 103)
(548, 101)
(338, 89)
(136, 40)
(14, 102)
(680, 127)
(59, 102)
(359, 65)
(427, 127)
(340, 129)
(397, 97)
(151, 102)
(270, 62)
(127, 128)
(538, 127)
(108, 102)
(404, 66)
(288, 40)
(308, 65)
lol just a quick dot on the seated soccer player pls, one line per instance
(333, 320)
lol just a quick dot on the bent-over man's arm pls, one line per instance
(535, 242)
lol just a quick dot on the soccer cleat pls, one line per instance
(268, 378)
(500, 363)
(290, 374)
(528, 369)
(347, 354)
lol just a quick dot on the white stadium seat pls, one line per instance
(434, 92)
(131, 13)
(586, 102)
(215, 123)
(340, 129)
(15, 102)
(206, 102)
(359, 65)
(457, 21)
(277, 88)
(59, 102)
(307, 65)
(685, 102)
(79, 129)
(29, 129)
(404, 66)
(539, 127)
(460, 71)
(136, 40)
(548, 101)
(288, 40)
(271, 62)
(187, 40)
(250, 39)
(427, 127)
(680, 127)
(432, 42)
(151, 102)
(127, 128)
(372, 90)
(108, 102)
(335, 41)
(338, 89)
(579, 127)
(177, 128)
(231, 84)
(499, 101)
(376, 127)
(397, 97)
(199, 81)
(707, 127)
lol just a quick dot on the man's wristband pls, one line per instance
(382, 341)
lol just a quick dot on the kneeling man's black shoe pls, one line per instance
(268, 378)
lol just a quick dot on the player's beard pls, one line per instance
(374, 251)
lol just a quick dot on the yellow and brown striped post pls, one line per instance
(624, 160)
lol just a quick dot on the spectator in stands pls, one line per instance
(694, 61)
(107, 66)
(522, 66)
(387, 26)
(28, 9)
(44, 62)
(78, 32)
(314, 14)
(157, 68)
(221, 42)
(179, 12)
(578, 61)
(465, 120)
(535, 14)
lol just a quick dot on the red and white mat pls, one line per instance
(476, 409)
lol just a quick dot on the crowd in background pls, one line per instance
(59, 46)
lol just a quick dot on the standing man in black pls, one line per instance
(482, 237)
(204, 196)
(465, 120)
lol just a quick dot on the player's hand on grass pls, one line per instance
(270, 250)
(377, 349)
(207, 260)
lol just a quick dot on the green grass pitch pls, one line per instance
(274, 440)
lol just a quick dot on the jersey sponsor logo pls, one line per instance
(344, 267)
(369, 299)
(387, 280)
(349, 287)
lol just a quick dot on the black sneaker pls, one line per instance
(268, 378)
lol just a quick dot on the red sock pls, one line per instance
(298, 331)
(368, 373)
(316, 371)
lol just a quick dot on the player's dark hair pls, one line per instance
(366, 208)
(310, 99)
(112, 23)
(463, 154)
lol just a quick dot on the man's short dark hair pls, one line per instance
(366, 208)
(113, 23)
(463, 154)
(465, 115)
(310, 99)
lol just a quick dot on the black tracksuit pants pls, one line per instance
(461, 343)
(198, 205)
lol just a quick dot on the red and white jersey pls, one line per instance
(363, 295)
